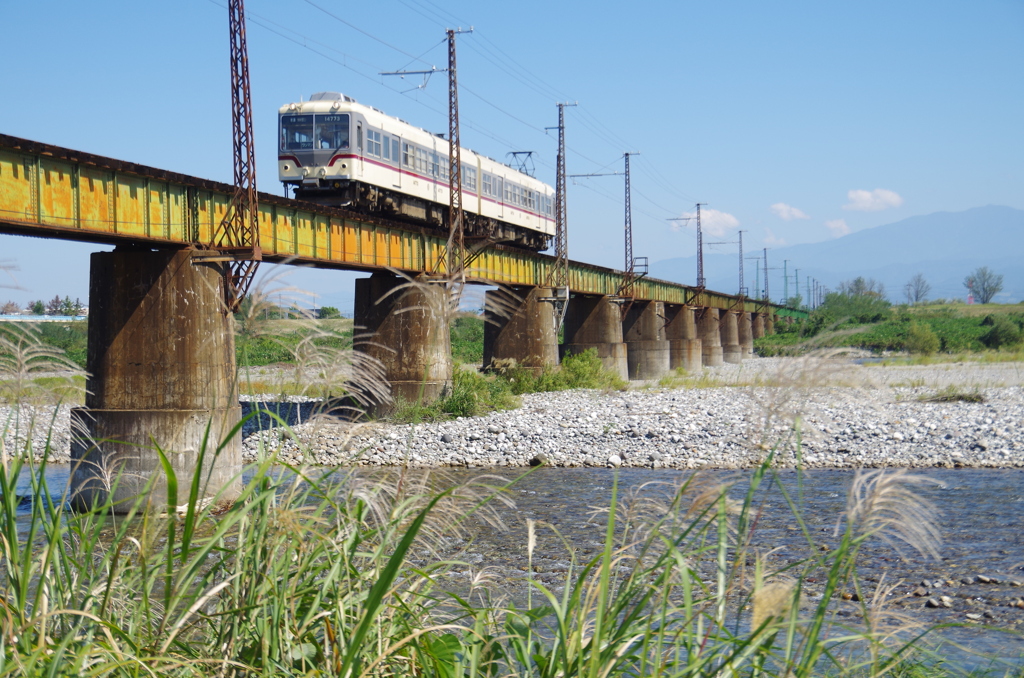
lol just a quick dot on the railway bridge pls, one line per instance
(161, 356)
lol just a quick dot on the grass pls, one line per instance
(337, 573)
(953, 394)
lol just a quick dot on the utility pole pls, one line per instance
(785, 281)
(627, 280)
(559, 276)
(456, 246)
(767, 296)
(743, 290)
(454, 256)
(630, 274)
(700, 250)
(757, 275)
(236, 240)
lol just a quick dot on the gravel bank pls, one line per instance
(848, 415)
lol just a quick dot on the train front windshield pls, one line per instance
(332, 131)
(320, 131)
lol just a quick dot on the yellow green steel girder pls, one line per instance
(60, 193)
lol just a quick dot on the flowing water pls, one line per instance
(981, 524)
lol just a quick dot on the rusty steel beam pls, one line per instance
(55, 192)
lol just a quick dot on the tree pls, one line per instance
(53, 306)
(917, 289)
(72, 308)
(37, 307)
(984, 284)
(327, 312)
(862, 287)
(10, 308)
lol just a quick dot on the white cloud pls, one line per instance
(872, 201)
(772, 240)
(838, 227)
(712, 222)
(787, 212)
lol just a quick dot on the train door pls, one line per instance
(396, 159)
(359, 148)
(499, 195)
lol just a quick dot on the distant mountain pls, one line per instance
(944, 247)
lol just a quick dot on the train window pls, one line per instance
(469, 178)
(373, 143)
(386, 148)
(296, 132)
(407, 155)
(421, 161)
(331, 130)
(498, 183)
(434, 169)
(487, 184)
(394, 149)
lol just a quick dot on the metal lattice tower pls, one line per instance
(629, 272)
(743, 289)
(559, 278)
(236, 239)
(767, 296)
(456, 240)
(628, 228)
(700, 250)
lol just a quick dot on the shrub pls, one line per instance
(921, 338)
(1004, 332)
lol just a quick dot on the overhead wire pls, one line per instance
(585, 118)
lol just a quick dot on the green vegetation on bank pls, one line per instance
(868, 321)
(285, 342)
(467, 338)
(474, 393)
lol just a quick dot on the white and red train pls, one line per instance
(336, 151)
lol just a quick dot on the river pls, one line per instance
(980, 520)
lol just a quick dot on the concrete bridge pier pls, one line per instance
(732, 352)
(647, 349)
(596, 322)
(769, 323)
(161, 361)
(711, 340)
(681, 331)
(519, 325)
(746, 332)
(404, 325)
(757, 324)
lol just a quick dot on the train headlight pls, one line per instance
(323, 172)
(286, 167)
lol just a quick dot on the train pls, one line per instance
(336, 151)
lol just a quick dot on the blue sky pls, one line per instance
(795, 121)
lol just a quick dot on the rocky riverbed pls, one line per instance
(817, 413)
